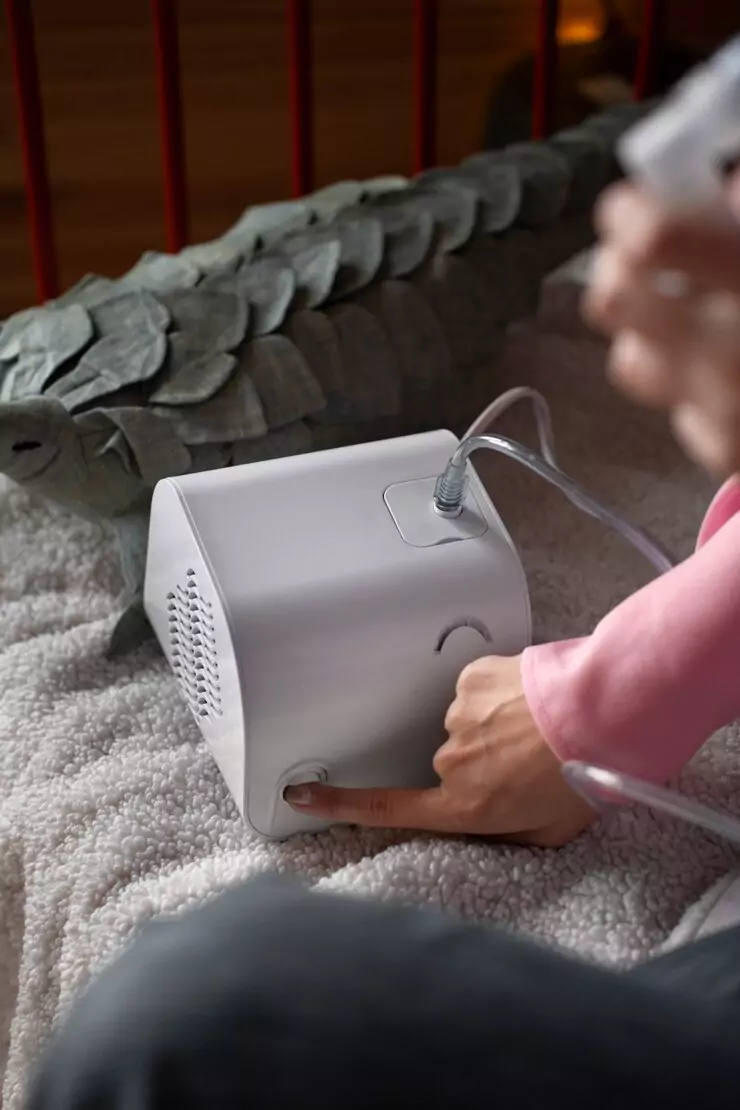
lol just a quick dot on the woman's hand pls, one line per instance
(498, 777)
(680, 352)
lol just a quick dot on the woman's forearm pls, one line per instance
(658, 675)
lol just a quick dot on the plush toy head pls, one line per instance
(44, 449)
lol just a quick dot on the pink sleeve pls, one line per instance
(660, 673)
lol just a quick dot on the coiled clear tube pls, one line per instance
(450, 488)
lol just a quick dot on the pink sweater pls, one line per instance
(660, 673)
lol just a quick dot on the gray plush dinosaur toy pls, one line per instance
(362, 310)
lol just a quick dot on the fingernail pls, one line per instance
(298, 795)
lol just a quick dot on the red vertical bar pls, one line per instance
(167, 59)
(300, 61)
(31, 130)
(545, 72)
(654, 10)
(425, 84)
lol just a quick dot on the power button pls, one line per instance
(296, 776)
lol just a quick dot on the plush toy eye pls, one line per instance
(25, 445)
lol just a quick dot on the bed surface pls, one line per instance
(112, 809)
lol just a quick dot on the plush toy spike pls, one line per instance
(364, 309)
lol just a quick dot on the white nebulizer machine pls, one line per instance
(317, 610)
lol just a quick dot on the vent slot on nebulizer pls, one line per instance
(192, 647)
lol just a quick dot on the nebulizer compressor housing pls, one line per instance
(317, 610)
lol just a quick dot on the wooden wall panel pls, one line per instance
(98, 85)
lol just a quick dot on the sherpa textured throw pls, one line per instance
(112, 810)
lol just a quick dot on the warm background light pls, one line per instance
(573, 32)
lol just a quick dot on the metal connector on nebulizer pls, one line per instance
(449, 490)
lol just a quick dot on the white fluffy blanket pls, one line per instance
(111, 809)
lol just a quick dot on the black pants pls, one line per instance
(272, 996)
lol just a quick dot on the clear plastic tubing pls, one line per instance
(449, 493)
(604, 789)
